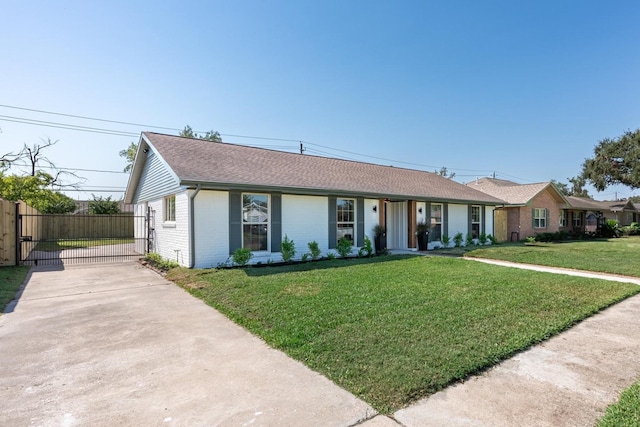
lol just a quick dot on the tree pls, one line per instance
(211, 135)
(130, 156)
(35, 191)
(576, 189)
(102, 206)
(615, 161)
(634, 199)
(445, 173)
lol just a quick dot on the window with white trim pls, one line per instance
(563, 218)
(539, 218)
(475, 221)
(170, 208)
(436, 222)
(255, 222)
(576, 219)
(345, 211)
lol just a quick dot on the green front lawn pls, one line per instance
(10, 280)
(625, 413)
(60, 244)
(394, 329)
(617, 256)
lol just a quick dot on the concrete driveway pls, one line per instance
(115, 344)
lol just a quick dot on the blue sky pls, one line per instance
(522, 89)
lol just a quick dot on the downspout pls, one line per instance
(192, 227)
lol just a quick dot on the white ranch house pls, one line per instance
(209, 199)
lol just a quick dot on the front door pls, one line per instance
(397, 235)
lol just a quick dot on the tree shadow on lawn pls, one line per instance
(323, 264)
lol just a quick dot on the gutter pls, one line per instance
(192, 227)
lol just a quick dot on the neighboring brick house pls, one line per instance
(584, 213)
(530, 208)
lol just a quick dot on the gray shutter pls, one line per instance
(359, 221)
(445, 219)
(533, 218)
(276, 221)
(483, 219)
(427, 219)
(333, 230)
(235, 221)
(469, 214)
(546, 218)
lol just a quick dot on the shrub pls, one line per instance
(368, 246)
(469, 240)
(160, 263)
(609, 229)
(242, 256)
(288, 249)
(331, 255)
(305, 257)
(446, 240)
(457, 240)
(632, 229)
(314, 249)
(344, 247)
(531, 239)
(483, 238)
(493, 239)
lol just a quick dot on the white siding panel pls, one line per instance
(488, 227)
(156, 180)
(211, 228)
(171, 240)
(370, 217)
(458, 220)
(305, 219)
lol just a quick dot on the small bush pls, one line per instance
(368, 246)
(469, 240)
(305, 257)
(160, 263)
(483, 238)
(531, 239)
(242, 256)
(446, 240)
(457, 240)
(344, 247)
(314, 249)
(609, 229)
(331, 255)
(288, 249)
(493, 239)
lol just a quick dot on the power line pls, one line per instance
(70, 127)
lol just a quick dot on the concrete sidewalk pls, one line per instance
(116, 344)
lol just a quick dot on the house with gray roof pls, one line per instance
(528, 209)
(207, 199)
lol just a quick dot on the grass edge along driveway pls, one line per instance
(11, 278)
(394, 329)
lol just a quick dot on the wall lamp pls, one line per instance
(375, 208)
(419, 210)
(145, 150)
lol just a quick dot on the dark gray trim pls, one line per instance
(469, 220)
(235, 221)
(483, 219)
(276, 221)
(192, 227)
(333, 226)
(445, 219)
(359, 222)
(427, 218)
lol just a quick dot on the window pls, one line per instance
(539, 218)
(436, 222)
(563, 218)
(475, 221)
(346, 219)
(255, 221)
(170, 208)
(576, 219)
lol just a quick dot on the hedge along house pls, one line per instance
(529, 209)
(208, 199)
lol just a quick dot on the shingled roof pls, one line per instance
(511, 192)
(224, 166)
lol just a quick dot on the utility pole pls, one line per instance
(301, 149)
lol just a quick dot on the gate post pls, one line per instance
(18, 232)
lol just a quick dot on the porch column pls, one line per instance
(411, 222)
(381, 212)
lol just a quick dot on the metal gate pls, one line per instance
(77, 239)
